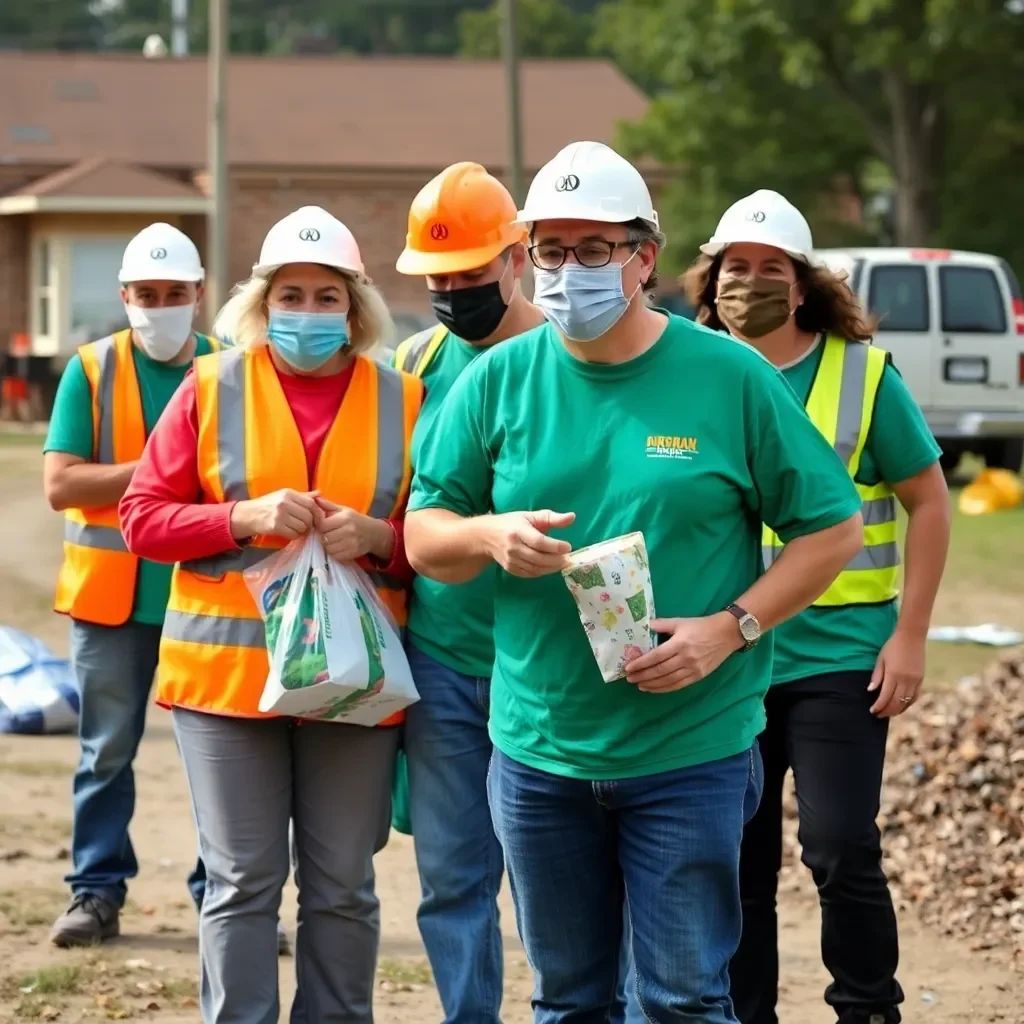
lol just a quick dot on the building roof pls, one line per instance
(312, 111)
(100, 185)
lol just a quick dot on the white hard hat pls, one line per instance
(160, 253)
(589, 181)
(309, 235)
(765, 218)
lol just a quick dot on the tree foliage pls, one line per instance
(828, 100)
(544, 28)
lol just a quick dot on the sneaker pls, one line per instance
(284, 946)
(87, 921)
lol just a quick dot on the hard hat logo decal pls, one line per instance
(158, 254)
(309, 235)
(757, 217)
(567, 183)
(438, 232)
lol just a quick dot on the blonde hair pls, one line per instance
(243, 318)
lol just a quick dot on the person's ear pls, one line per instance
(648, 253)
(517, 257)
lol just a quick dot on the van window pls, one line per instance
(899, 297)
(971, 301)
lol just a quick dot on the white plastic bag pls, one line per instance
(335, 651)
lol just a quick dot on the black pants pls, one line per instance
(822, 728)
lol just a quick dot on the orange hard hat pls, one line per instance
(460, 220)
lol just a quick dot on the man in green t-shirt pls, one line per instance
(614, 418)
(463, 243)
(109, 398)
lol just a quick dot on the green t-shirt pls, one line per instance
(70, 432)
(899, 446)
(453, 624)
(528, 426)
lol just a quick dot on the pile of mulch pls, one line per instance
(953, 809)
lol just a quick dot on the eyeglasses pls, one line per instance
(593, 253)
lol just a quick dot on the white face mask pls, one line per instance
(161, 332)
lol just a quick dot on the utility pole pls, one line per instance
(179, 28)
(510, 56)
(217, 218)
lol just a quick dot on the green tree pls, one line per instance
(813, 98)
(544, 28)
(49, 25)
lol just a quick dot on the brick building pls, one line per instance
(95, 146)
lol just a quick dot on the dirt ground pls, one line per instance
(150, 972)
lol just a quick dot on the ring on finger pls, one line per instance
(906, 700)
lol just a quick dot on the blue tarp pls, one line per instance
(38, 694)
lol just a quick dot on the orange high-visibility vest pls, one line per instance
(213, 653)
(97, 580)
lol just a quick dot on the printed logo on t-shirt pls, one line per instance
(662, 446)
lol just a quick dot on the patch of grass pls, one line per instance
(21, 438)
(405, 972)
(37, 769)
(983, 580)
(65, 980)
(173, 990)
(30, 907)
(36, 1008)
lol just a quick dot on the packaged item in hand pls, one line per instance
(611, 584)
(335, 652)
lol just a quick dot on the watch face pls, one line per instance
(749, 629)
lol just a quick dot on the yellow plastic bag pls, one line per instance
(991, 491)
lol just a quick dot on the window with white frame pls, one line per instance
(76, 293)
(44, 311)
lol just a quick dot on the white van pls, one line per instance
(954, 323)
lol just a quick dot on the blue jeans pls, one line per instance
(459, 858)
(670, 842)
(114, 668)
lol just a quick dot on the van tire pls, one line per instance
(1005, 454)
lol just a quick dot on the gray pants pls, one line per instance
(247, 779)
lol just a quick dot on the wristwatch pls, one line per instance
(750, 628)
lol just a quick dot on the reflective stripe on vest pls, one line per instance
(841, 405)
(213, 649)
(417, 352)
(97, 578)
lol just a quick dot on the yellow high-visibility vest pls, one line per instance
(414, 355)
(841, 405)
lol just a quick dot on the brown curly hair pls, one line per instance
(829, 306)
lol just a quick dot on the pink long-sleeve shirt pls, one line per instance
(163, 517)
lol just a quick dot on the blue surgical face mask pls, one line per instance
(306, 340)
(582, 302)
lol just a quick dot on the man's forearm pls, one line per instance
(925, 559)
(803, 572)
(446, 547)
(89, 485)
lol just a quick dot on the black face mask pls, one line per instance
(470, 313)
